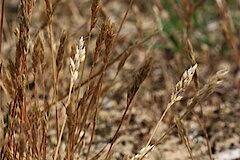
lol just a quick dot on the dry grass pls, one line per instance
(61, 76)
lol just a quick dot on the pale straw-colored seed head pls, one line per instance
(183, 83)
(81, 50)
(78, 59)
(71, 65)
(81, 42)
(74, 73)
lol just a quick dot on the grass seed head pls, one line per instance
(208, 88)
(109, 35)
(109, 39)
(99, 42)
(139, 78)
(61, 51)
(41, 50)
(37, 55)
(95, 9)
(183, 83)
(80, 49)
(49, 9)
(79, 57)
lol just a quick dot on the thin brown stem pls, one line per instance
(1, 26)
(201, 123)
(119, 126)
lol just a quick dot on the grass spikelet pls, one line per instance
(41, 50)
(35, 55)
(23, 32)
(8, 155)
(208, 88)
(13, 74)
(95, 9)
(35, 61)
(193, 61)
(109, 39)
(60, 53)
(74, 66)
(9, 85)
(98, 47)
(100, 38)
(183, 84)
(49, 10)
